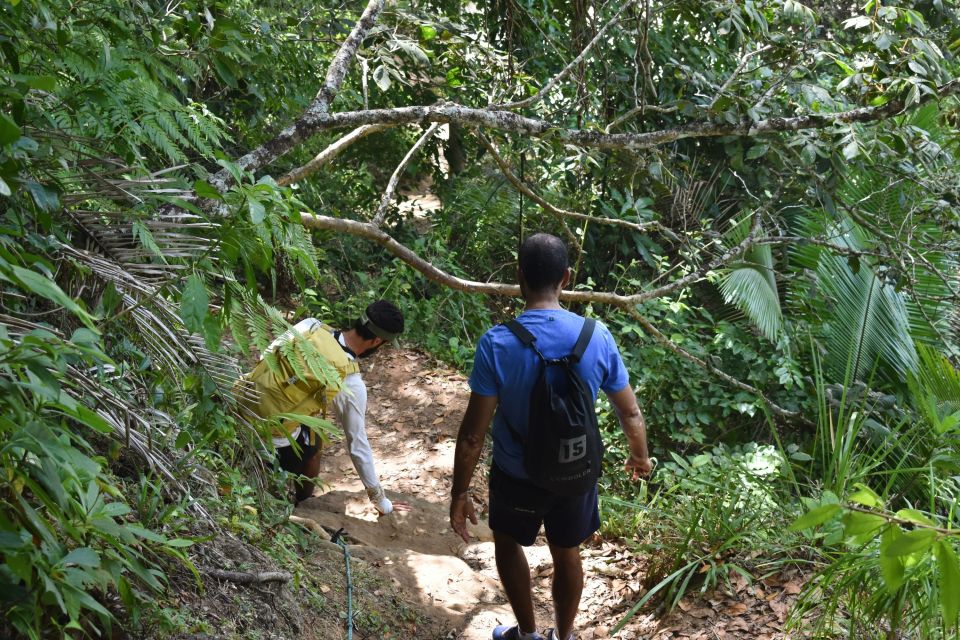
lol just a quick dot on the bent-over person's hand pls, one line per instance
(636, 467)
(461, 508)
(398, 506)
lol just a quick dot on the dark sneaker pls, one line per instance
(552, 635)
(504, 632)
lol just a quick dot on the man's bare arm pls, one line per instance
(473, 428)
(634, 428)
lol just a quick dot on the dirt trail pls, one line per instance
(414, 411)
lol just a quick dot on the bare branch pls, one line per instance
(395, 178)
(539, 95)
(517, 124)
(327, 155)
(294, 134)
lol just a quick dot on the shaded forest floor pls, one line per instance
(415, 406)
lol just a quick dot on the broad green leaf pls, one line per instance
(9, 132)
(891, 567)
(45, 197)
(10, 541)
(757, 150)
(115, 509)
(912, 542)
(194, 304)
(382, 78)
(949, 583)
(82, 557)
(415, 52)
(856, 523)
(144, 533)
(851, 150)
(257, 211)
(865, 496)
(5, 188)
(915, 516)
(87, 416)
(42, 83)
(815, 517)
(39, 524)
(44, 287)
(179, 542)
(204, 189)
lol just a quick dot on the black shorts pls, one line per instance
(518, 508)
(294, 461)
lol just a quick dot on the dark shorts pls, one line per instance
(294, 461)
(518, 508)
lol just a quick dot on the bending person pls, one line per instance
(279, 390)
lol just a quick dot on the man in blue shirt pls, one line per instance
(503, 376)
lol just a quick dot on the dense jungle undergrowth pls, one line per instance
(761, 200)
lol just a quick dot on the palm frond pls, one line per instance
(937, 378)
(750, 284)
(868, 323)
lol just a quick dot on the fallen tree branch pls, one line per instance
(243, 577)
(627, 303)
(374, 233)
(328, 154)
(510, 122)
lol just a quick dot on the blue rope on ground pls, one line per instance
(338, 538)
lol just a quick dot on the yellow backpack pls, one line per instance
(283, 388)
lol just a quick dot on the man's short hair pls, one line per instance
(543, 261)
(382, 319)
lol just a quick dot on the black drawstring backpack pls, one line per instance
(563, 449)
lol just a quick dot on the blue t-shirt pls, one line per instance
(505, 368)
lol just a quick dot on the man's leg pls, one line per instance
(515, 577)
(567, 587)
(311, 469)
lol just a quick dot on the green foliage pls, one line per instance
(901, 567)
(885, 514)
(66, 532)
(711, 515)
(115, 115)
(687, 407)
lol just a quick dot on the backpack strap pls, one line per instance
(583, 340)
(521, 332)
